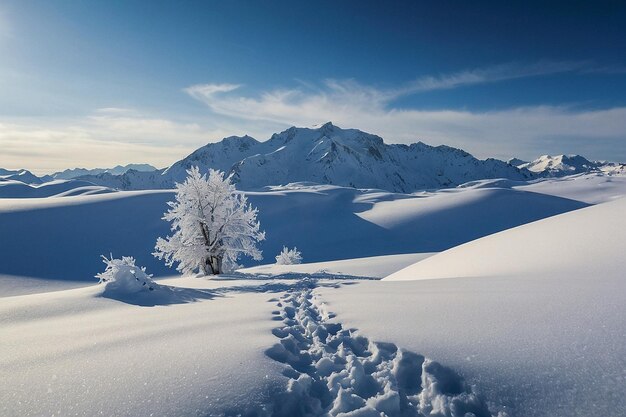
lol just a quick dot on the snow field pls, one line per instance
(198, 351)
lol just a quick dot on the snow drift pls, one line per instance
(324, 222)
(533, 315)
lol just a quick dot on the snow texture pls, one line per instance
(198, 352)
(534, 315)
(334, 371)
(372, 267)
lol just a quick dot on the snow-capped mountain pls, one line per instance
(328, 155)
(561, 165)
(117, 170)
(21, 175)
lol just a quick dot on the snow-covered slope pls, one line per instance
(590, 188)
(324, 222)
(326, 155)
(372, 267)
(56, 188)
(579, 245)
(78, 352)
(534, 316)
(562, 165)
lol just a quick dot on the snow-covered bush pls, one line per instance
(289, 256)
(213, 225)
(122, 275)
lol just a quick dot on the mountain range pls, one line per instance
(331, 155)
(561, 165)
(326, 154)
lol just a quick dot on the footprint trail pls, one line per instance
(334, 371)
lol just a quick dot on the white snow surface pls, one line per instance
(526, 322)
(589, 188)
(534, 316)
(372, 267)
(56, 188)
(198, 351)
(324, 222)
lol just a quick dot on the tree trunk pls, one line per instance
(206, 265)
(216, 264)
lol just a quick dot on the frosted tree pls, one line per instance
(289, 256)
(212, 226)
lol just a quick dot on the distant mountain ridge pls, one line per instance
(21, 175)
(69, 174)
(329, 155)
(561, 165)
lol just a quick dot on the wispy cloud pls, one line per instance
(503, 72)
(113, 135)
(523, 132)
(107, 137)
(207, 90)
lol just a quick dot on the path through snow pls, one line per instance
(334, 371)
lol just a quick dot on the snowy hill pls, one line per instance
(562, 165)
(534, 315)
(541, 340)
(56, 188)
(325, 155)
(324, 222)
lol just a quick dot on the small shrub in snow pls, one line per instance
(289, 256)
(122, 275)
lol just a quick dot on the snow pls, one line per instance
(122, 276)
(533, 315)
(589, 188)
(75, 352)
(562, 165)
(372, 267)
(524, 319)
(336, 371)
(324, 222)
(57, 188)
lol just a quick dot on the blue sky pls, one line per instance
(94, 83)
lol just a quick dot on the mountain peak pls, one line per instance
(328, 154)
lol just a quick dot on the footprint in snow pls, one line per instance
(333, 371)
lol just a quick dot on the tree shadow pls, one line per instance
(164, 295)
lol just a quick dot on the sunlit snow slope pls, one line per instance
(533, 315)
